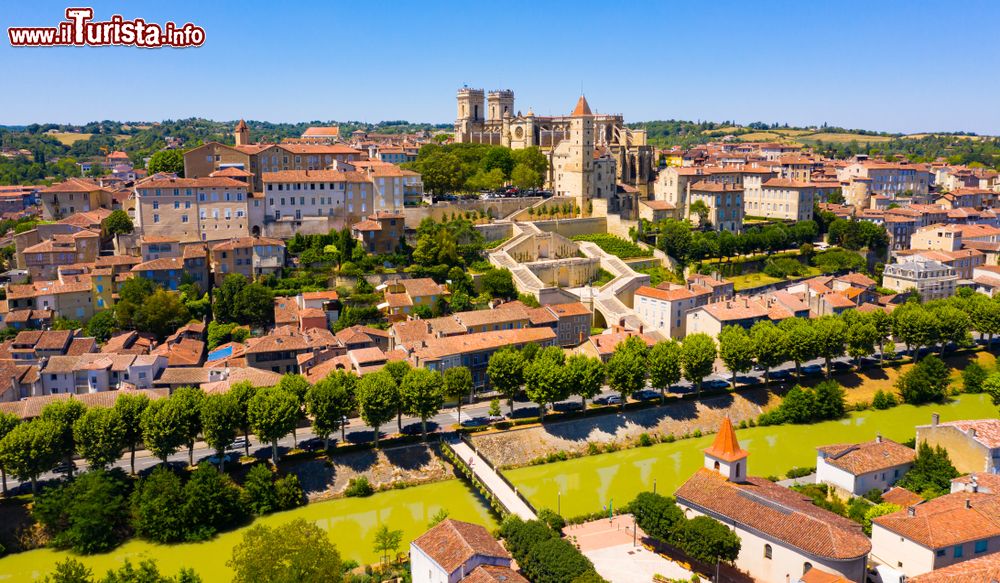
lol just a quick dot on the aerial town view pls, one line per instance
(566, 292)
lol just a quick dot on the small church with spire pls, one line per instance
(783, 535)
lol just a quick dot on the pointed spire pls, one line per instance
(726, 447)
(582, 107)
(242, 125)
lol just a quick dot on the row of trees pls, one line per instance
(701, 538)
(678, 240)
(474, 167)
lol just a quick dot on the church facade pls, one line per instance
(490, 118)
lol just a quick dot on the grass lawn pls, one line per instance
(759, 278)
(69, 138)
(862, 386)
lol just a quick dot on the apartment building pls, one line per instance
(932, 280)
(724, 202)
(474, 350)
(339, 196)
(858, 468)
(938, 533)
(68, 297)
(964, 262)
(745, 311)
(93, 373)
(248, 256)
(889, 178)
(72, 196)
(381, 232)
(192, 209)
(404, 296)
(972, 445)
(170, 272)
(44, 259)
(784, 198)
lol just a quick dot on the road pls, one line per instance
(358, 432)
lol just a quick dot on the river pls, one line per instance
(586, 485)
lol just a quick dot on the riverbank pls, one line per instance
(592, 483)
(351, 523)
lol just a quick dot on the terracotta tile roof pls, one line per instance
(947, 520)
(838, 300)
(987, 431)
(324, 131)
(54, 340)
(778, 512)
(329, 295)
(242, 242)
(32, 406)
(856, 279)
(667, 295)
(605, 343)
(186, 352)
(707, 186)
(359, 335)
(230, 172)
(190, 375)
(82, 346)
(421, 287)
(436, 348)
(255, 376)
(452, 543)
(582, 108)
(867, 457)
(72, 185)
(397, 300)
(204, 182)
(277, 342)
(985, 569)
(494, 574)
(75, 284)
(569, 309)
(319, 149)
(410, 331)
(314, 176)
(161, 264)
(544, 316)
(658, 205)
(901, 497)
(367, 225)
(815, 575)
(286, 311)
(500, 315)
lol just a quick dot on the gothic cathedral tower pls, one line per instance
(470, 114)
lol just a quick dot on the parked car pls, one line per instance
(64, 467)
(496, 418)
(474, 421)
(780, 374)
(812, 369)
(714, 384)
(238, 443)
(214, 459)
(646, 395)
(613, 400)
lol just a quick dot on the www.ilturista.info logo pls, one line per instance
(79, 30)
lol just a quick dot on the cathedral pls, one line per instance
(490, 119)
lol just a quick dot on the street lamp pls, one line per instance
(559, 502)
(654, 485)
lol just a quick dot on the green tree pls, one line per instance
(31, 449)
(88, 514)
(297, 385)
(64, 415)
(224, 298)
(874, 512)
(973, 377)
(664, 362)
(505, 372)
(186, 402)
(130, 408)
(220, 418)
(157, 505)
(211, 503)
(273, 413)
(168, 161)
(161, 314)
(545, 378)
(585, 376)
(697, 357)
(914, 326)
(423, 395)
(102, 326)
(706, 539)
(254, 305)
(7, 423)
(243, 392)
(736, 348)
(375, 402)
(100, 436)
(259, 494)
(801, 342)
(932, 472)
(499, 283)
(656, 515)
(294, 552)
(524, 177)
(162, 428)
(927, 381)
(398, 370)
(330, 401)
(70, 570)
(831, 338)
(626, 370)
(387, 541)
(861, 339)
(458, 385)
(953, 325)
(831, 400)
(117, 223)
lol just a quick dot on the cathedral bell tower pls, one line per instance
(242, 134)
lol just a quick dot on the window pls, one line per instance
(981, 546)
(958, 551)
(767, 551)
(940, 552)
(156, 218)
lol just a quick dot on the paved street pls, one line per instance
(358, 432)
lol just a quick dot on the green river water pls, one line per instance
(586, 484)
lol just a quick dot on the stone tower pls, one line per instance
(500, 103)
(470, 113)
(725, 456)
(579, 166)
(242, 134)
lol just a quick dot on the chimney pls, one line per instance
(972, 432)
(878, 438)
(640, 328)
(968, 503)
(935, 419)
(911, 511)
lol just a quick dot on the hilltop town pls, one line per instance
(256, 322)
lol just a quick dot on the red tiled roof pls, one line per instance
(870, 456)
(985, 569)
(726, 446)
(948, 520)
(778, 512)
(452, 543)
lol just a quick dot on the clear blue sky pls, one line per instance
(878, 64)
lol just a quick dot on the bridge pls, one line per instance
(497, 487)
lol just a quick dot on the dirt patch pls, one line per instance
(324, 478)
(518, 447)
